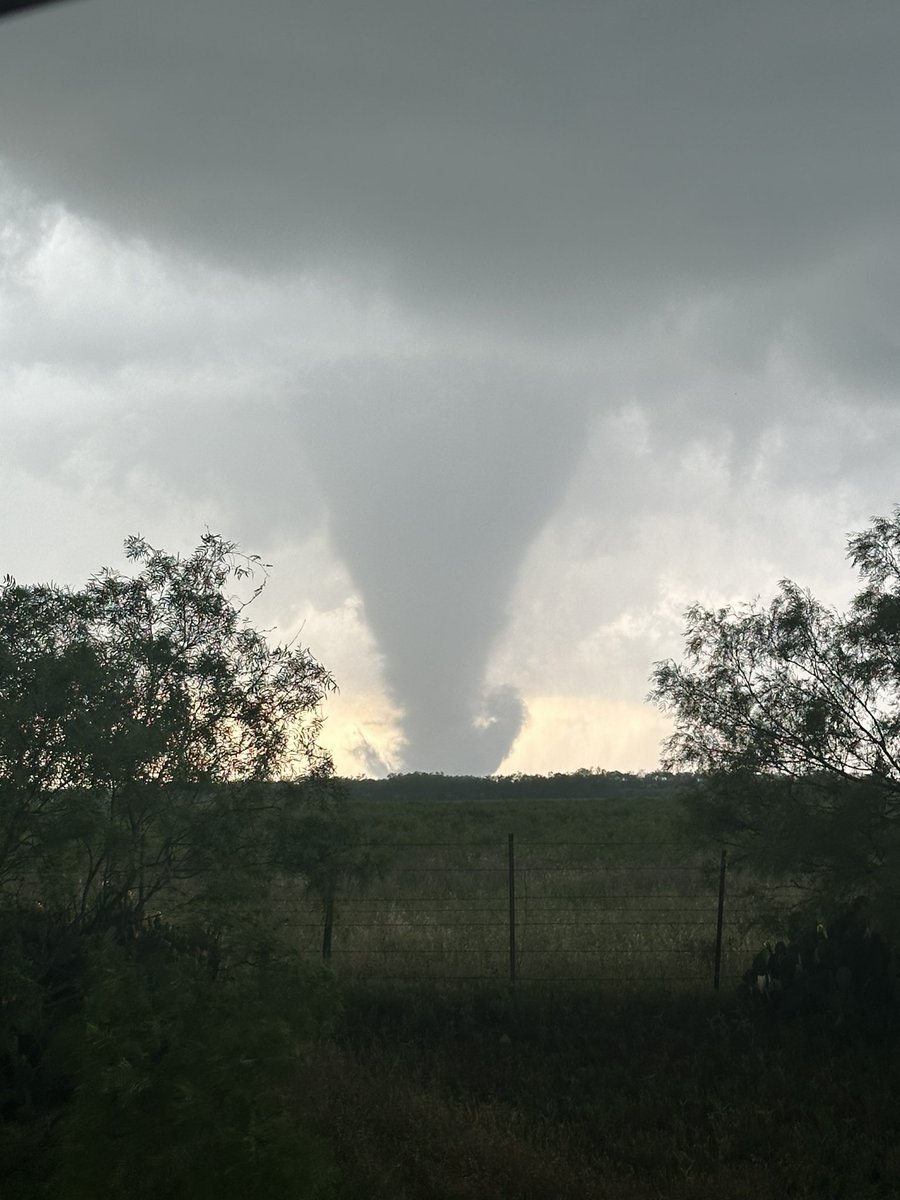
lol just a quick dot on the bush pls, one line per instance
(845, 972)
(151, 1011)
(160, 1065)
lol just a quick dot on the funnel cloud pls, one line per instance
(437, 478)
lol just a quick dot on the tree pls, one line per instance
(790, 713)
(129, 712)
(159, 769)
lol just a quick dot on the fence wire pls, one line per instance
(517, 920)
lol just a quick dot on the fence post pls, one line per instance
(329, 922)
(720, 920)
(511, 885)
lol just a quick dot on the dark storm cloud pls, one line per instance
(524, 181)
(516, 160)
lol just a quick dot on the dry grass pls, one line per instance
(612, 1069)
(569, 1097)
(582, 913)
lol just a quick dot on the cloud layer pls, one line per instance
(551, 317)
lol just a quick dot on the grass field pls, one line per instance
(612, 1069)
(558, 1096)
(606, 891)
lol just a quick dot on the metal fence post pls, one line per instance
(329, 922)
(511, 885)
(720, 920)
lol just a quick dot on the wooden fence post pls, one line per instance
(511, 886)
(720, 920)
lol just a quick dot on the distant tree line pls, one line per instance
(584, 783)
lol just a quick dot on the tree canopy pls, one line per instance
(124, 709)
(156, 759)
(790, 712)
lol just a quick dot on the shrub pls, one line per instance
(844, 971)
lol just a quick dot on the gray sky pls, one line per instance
(505, 331)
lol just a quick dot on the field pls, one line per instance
(562, 1097)
(602, 890)
(612, 1068)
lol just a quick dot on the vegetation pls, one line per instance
(173, 844)
(623, 1087)
(843, 973)
(606, 890)
(580, 806)
(580, 1097)
(150, 1012)
(790, 715)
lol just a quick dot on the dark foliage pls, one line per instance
(844, 974)
(582, 784)
(151, 1011)
(790, 715)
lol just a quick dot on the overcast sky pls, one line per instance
(503, 330)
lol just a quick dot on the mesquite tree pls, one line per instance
(160, 773)
(790, 715)
(136, 714)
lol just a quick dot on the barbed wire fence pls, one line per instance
(531, 912)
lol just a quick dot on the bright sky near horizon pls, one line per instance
(504, 331)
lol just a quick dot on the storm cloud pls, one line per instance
(513, 162)
(533, 305)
